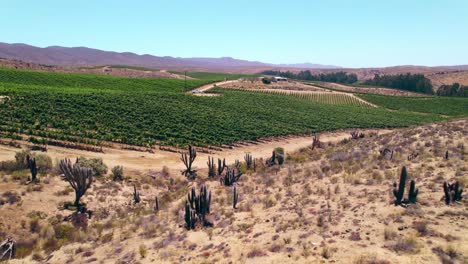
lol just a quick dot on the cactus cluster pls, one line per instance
(400, 191)
(231, 177)
(277, 157)
(197, 207)
(316, 142)
(453, 192)
(356, 135)
(248, 161)
(188, 159)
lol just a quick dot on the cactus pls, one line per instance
(271, 161)
(280, 158)
(8, 248)
(413, 192)
(446, 155)
(279, 155)
(211, 168)
(188, 159)
(79, 178)
(453, 192)
(200, 205)
(316, 142)
(255, 165)
(32, 168)
(231, 177)
(248, 161)
(237, 164)
(235, 197)
(221, 166)
(190, 218)
(136, 195)
(156, 203)
(356, 135)
(400, 191)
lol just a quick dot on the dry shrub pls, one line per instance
(256, 252)
(407, 244)
(389, 234)
(366, 259)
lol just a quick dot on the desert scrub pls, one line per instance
(408, 244)
(143, 251)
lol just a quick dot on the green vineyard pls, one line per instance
(92, 109)
(320, 97)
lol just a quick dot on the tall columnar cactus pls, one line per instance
(190, 217)
(400, 191)
(453, 192)
(248, 161)
(32, 168)
(211, 168)
(200, 204)
(79, 178)
(188, 159)
(221, 166)
(136, 195)
(446, 155)
(231, 177)
(413, 192)
(255, 165)
(156, 204)
(235, 197)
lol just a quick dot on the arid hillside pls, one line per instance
(331, 202)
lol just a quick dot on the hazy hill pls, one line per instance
(56, 55)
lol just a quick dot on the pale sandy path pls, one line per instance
(141, 161)
(209, 86)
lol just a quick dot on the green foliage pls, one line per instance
(453, 90)
(90, 108)
(98, 166)
(117, 173)
(409, 82)
(337, 77)
(435, 105)
(43, 161)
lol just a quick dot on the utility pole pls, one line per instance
(185, 80)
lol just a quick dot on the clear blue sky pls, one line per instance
(350, 33)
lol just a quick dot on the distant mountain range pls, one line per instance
(63, 56)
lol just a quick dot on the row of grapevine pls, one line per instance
(320, 97)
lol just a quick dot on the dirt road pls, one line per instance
(141, 161)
